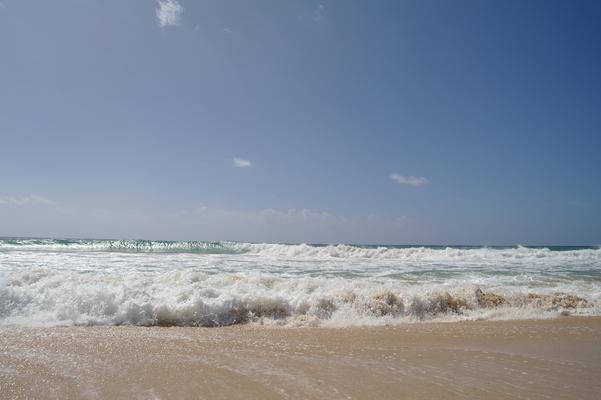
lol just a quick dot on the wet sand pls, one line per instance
(551, 359)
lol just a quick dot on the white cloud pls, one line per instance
(168, 13)
(227, 30)
(241, 163)
(409, 180)
(25, 200)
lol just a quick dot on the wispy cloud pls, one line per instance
(30, 218)
(319, 13)
(291, 225)
(241, 163)
(316, 14)
(409, 180)
(168, 13)
(227, 30)
(25, 200)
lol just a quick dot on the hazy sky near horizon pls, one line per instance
(302, 121)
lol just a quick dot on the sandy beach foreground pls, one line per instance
(547, 359)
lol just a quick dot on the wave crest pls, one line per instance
(304, 251)
(192, 299)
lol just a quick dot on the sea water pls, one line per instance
(112, 282)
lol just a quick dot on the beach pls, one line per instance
(535, 359)
(129, 319)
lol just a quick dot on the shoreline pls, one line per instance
(552, 358)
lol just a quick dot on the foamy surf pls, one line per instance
(111, 282)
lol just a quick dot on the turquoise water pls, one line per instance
(224, 247)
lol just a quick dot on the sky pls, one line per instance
(332, 121)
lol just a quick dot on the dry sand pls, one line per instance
(552, 359)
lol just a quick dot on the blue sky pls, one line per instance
(302, 121)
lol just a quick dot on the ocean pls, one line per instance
(49, 282)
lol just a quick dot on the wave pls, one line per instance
(149, 246)
(301, 250)
(140, 282)
(190, 298)
(416, 252)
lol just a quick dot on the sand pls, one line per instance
(546, 359)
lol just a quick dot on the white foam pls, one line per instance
(83, 283)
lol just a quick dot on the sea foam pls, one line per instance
(99, 282)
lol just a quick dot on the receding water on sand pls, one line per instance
(550, 359)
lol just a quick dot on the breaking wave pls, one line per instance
(196, 299)
(120, 245)
(100, 282)
(298, 250)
